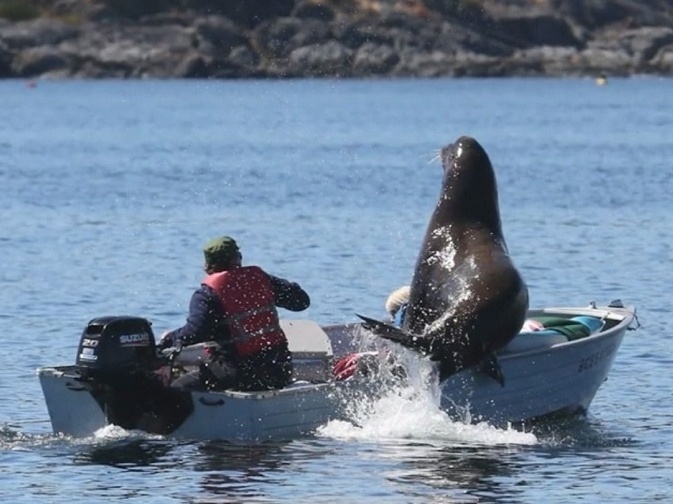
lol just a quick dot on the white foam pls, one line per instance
(114, 432)
(412, 412)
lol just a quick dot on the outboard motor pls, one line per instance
(116, 347)
(116, 361)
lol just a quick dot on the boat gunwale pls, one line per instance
(623, 316)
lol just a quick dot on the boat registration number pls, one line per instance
(596, 357)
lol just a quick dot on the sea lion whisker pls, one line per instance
(436, 156)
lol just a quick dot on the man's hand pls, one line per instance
(360, 362)
(165, 341)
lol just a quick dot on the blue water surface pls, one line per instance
(110, 188)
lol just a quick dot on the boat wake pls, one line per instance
(13, 439)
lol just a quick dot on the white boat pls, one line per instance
(549, 376)
(545, 374)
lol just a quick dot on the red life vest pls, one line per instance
(247, 301)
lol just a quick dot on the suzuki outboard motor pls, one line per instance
(116, 362)
(116, 346)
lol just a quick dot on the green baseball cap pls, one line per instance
(220, 250)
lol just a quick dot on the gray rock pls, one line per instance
(136, 8)
(425, 64)
(304, 9)
(293, 38)
(5, 61)
(372, 59)
(595, 60)
(248, 13)
(468, 12)
(193, 66)
(244, 57)
(77, 9)
(594, 14)
(321, 60)
(662, 62)
(644, 43)
(280, 37)
(602, 13)
(354, 34)
(535, 30)
(218, 34)
(469, 64)
(545, 60)
(36, 33)
(454, 37)
(94, 69)
(36, 61)
(640, 44)
(143, 51)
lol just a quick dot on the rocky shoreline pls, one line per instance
(334, 38)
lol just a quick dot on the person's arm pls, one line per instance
(202, 321)
(289, 295)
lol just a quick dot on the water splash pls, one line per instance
(410, 410)
(446, 255)
(113, 433)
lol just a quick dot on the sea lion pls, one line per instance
(467, 298)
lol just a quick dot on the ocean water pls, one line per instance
(109, 190)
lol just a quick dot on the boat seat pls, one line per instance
(309, 344)
(311, 350)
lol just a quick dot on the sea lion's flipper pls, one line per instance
(392, 333)
(384, 330)
(491, 367)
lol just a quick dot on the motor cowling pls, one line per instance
(116, 363)
(116, 345)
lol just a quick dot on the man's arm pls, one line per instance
(202, 322)
(289, 295)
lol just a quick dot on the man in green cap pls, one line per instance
(235, 307)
